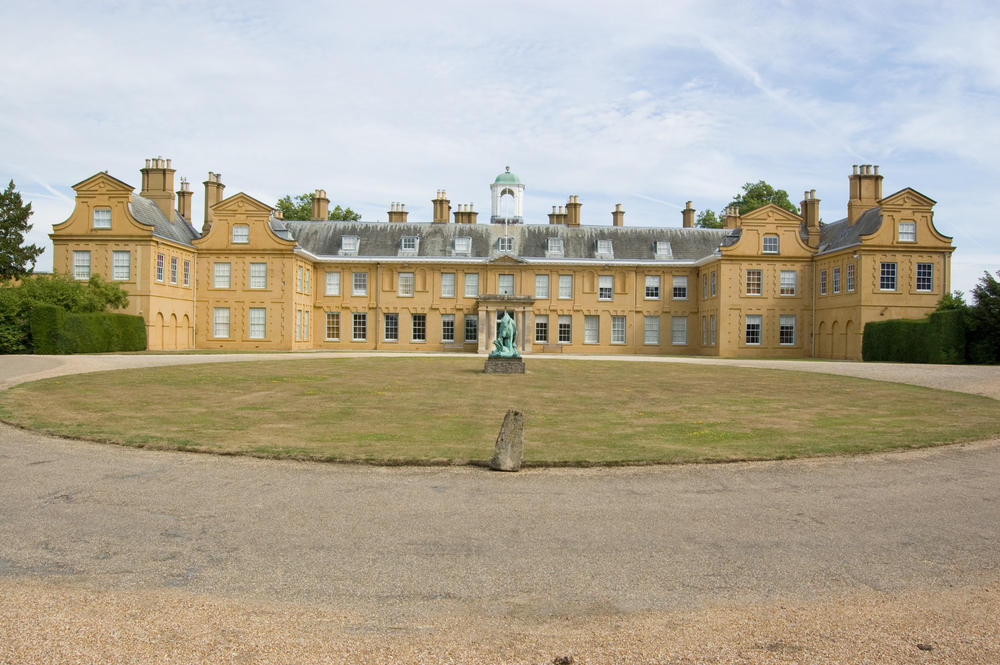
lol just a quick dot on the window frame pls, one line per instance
(219, 277)
(471, 281)
(257, 281)
(786, 330)
(463, 244)
(160, 267)
(390, 327)
(418, 327)
(472, 329)
(332, 280)
(564, 332)
(541, 326)
(754, 282)
(927, 278)
(505, 244)
(541, 293)
(772, 240)
(359, 284)
(187, 272)
(102, 225)
(78, 265)
(888, 274)
(836, 280)
(173, 270)
(754, 327)
(850, 277)
(257, 329)
(618, 329)
(243, 237)
(822, 282)
(404, 284)
(117, 266)
(910, 232)
(505, 289)
(652, 291)
(447, 323)
(591, 329)
(217, 322)
(565, 287)
(678, 327)
(350, 244)
(606, 287)
(790, 287)
(651, 330)
(359, 322)
(447, 285)
(333, 326)
(679, 285)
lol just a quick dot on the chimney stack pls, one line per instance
(320, 205)
(687, 216)
(866, 191)
(573, 211)
(184, 199)
(465, 214)
(618, 216)
(731, 220)
(158, 185)
(810, 214)
(213, 194)
(442, 207)
(397, 213)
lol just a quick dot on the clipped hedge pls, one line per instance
(55, 332)
(940, 338)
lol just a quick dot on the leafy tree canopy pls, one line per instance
(985, 323)
(299, 208)
(74, 296)
(951, 301)
(14, 255)
(708, 220)
(759, 194)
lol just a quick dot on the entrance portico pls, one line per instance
(491, 308)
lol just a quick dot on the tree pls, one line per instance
(759, 194)
(299, 208)
(985, 323)
(72, 295)
(14, 257)
(950, 301)
(708, 220)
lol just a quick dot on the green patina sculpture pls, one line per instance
(506, 342)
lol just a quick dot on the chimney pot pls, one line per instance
(876, 169)
(855, 169)
(618, 206)
(812, 193)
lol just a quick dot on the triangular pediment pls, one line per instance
(506, 259)
(241, 203)
(771, 213)
(908, 197)
(102, 182)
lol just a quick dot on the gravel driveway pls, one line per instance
(119, 555)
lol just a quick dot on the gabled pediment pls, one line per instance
(771, 213)
(908, 198)
(241, 203)
(102, 182)
(506, 259)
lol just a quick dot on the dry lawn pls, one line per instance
(425, 410)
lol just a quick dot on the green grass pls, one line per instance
(406, 409)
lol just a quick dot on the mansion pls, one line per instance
(772, 283)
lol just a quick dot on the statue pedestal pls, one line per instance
(504, 366)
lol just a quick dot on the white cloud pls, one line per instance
(639, 103)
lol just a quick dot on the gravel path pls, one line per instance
(120, 555)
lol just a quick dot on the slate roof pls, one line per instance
(147, 212)
(383, 239)
(840, 234)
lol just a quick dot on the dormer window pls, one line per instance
(463, 245)
(662, 249)
(505, 244)
(554, 248)
(409, 243)
(604, 249)
(241, 234)
(349, 244)
(102, 218)
(770, 245)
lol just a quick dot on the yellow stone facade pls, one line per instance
(771, 284)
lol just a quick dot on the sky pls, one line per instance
(647, 104)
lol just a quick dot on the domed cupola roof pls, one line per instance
(507, 178)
